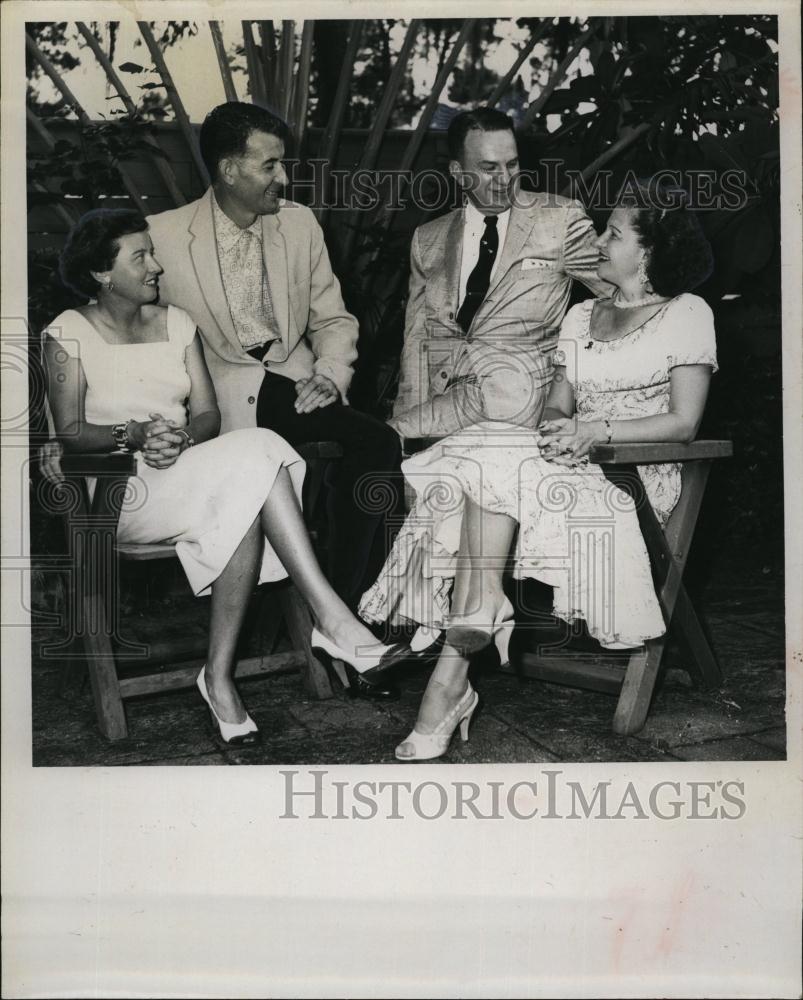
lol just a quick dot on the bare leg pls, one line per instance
(283, 525)
(230, 595)
(485, 542)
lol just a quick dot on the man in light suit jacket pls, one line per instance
(489, 287)
(253, 272)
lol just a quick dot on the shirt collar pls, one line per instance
(228, 233)
(476, 219)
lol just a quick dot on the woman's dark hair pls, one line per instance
(679, 256)
(92, 245)
(478, 120)
(226, 129)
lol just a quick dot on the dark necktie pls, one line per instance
(480, 277)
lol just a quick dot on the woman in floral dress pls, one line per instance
(634, 367)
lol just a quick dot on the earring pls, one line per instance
(109, 286)
(642, 274)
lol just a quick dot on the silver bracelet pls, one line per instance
(190, 440)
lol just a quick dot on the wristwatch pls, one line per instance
(120, 435)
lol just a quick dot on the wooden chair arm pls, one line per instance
(654, 453)
(123, 463)
(115, 463)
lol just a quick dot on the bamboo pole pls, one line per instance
(558, 76)
(395, 81)
(267, 48)
(41, 129)
(377, 133)
(67, 215)
(301, 97)
(83, 117)
(270, 53)
(611, 152)
(223, 61)
(175, 100)
(163, 167)
(258, 91)
(331, 136)
(507, 79)
(288, 55)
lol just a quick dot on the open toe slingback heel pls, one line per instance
(428, 746)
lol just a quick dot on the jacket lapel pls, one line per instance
(518, 230)
(274, 255)
(203, 250)
(453, 255)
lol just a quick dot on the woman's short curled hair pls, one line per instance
(679, 256)
(92, 245)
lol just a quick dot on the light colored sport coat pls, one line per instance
(501, 368)
(317, 334)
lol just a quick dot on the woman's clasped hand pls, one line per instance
(568, 440)
(159, 440)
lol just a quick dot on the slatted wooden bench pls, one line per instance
(668, 548)
(164, 665)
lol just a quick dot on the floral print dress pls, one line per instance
(578, 532)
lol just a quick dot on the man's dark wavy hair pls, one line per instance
(480, 120)
(226, 129)
(679, 256)
(92, 245)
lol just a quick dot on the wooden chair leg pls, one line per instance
(105, 687)
(702, 663)
(299, 625)
(638, 686)
(97, 591)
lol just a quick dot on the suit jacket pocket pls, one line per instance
(538, 264)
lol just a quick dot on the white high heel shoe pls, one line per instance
(468, 636)
(428, 746)
(236, 734)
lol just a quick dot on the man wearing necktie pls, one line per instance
(490, 283)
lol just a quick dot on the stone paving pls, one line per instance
(520, 720)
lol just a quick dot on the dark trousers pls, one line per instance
(363, 488)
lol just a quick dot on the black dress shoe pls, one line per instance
(382, 660)
(375, 690)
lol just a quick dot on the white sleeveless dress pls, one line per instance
(207, 500)
(578, 533)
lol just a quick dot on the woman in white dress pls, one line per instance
(125, 372)
(633, 367)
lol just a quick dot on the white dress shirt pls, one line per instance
(473, 229)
